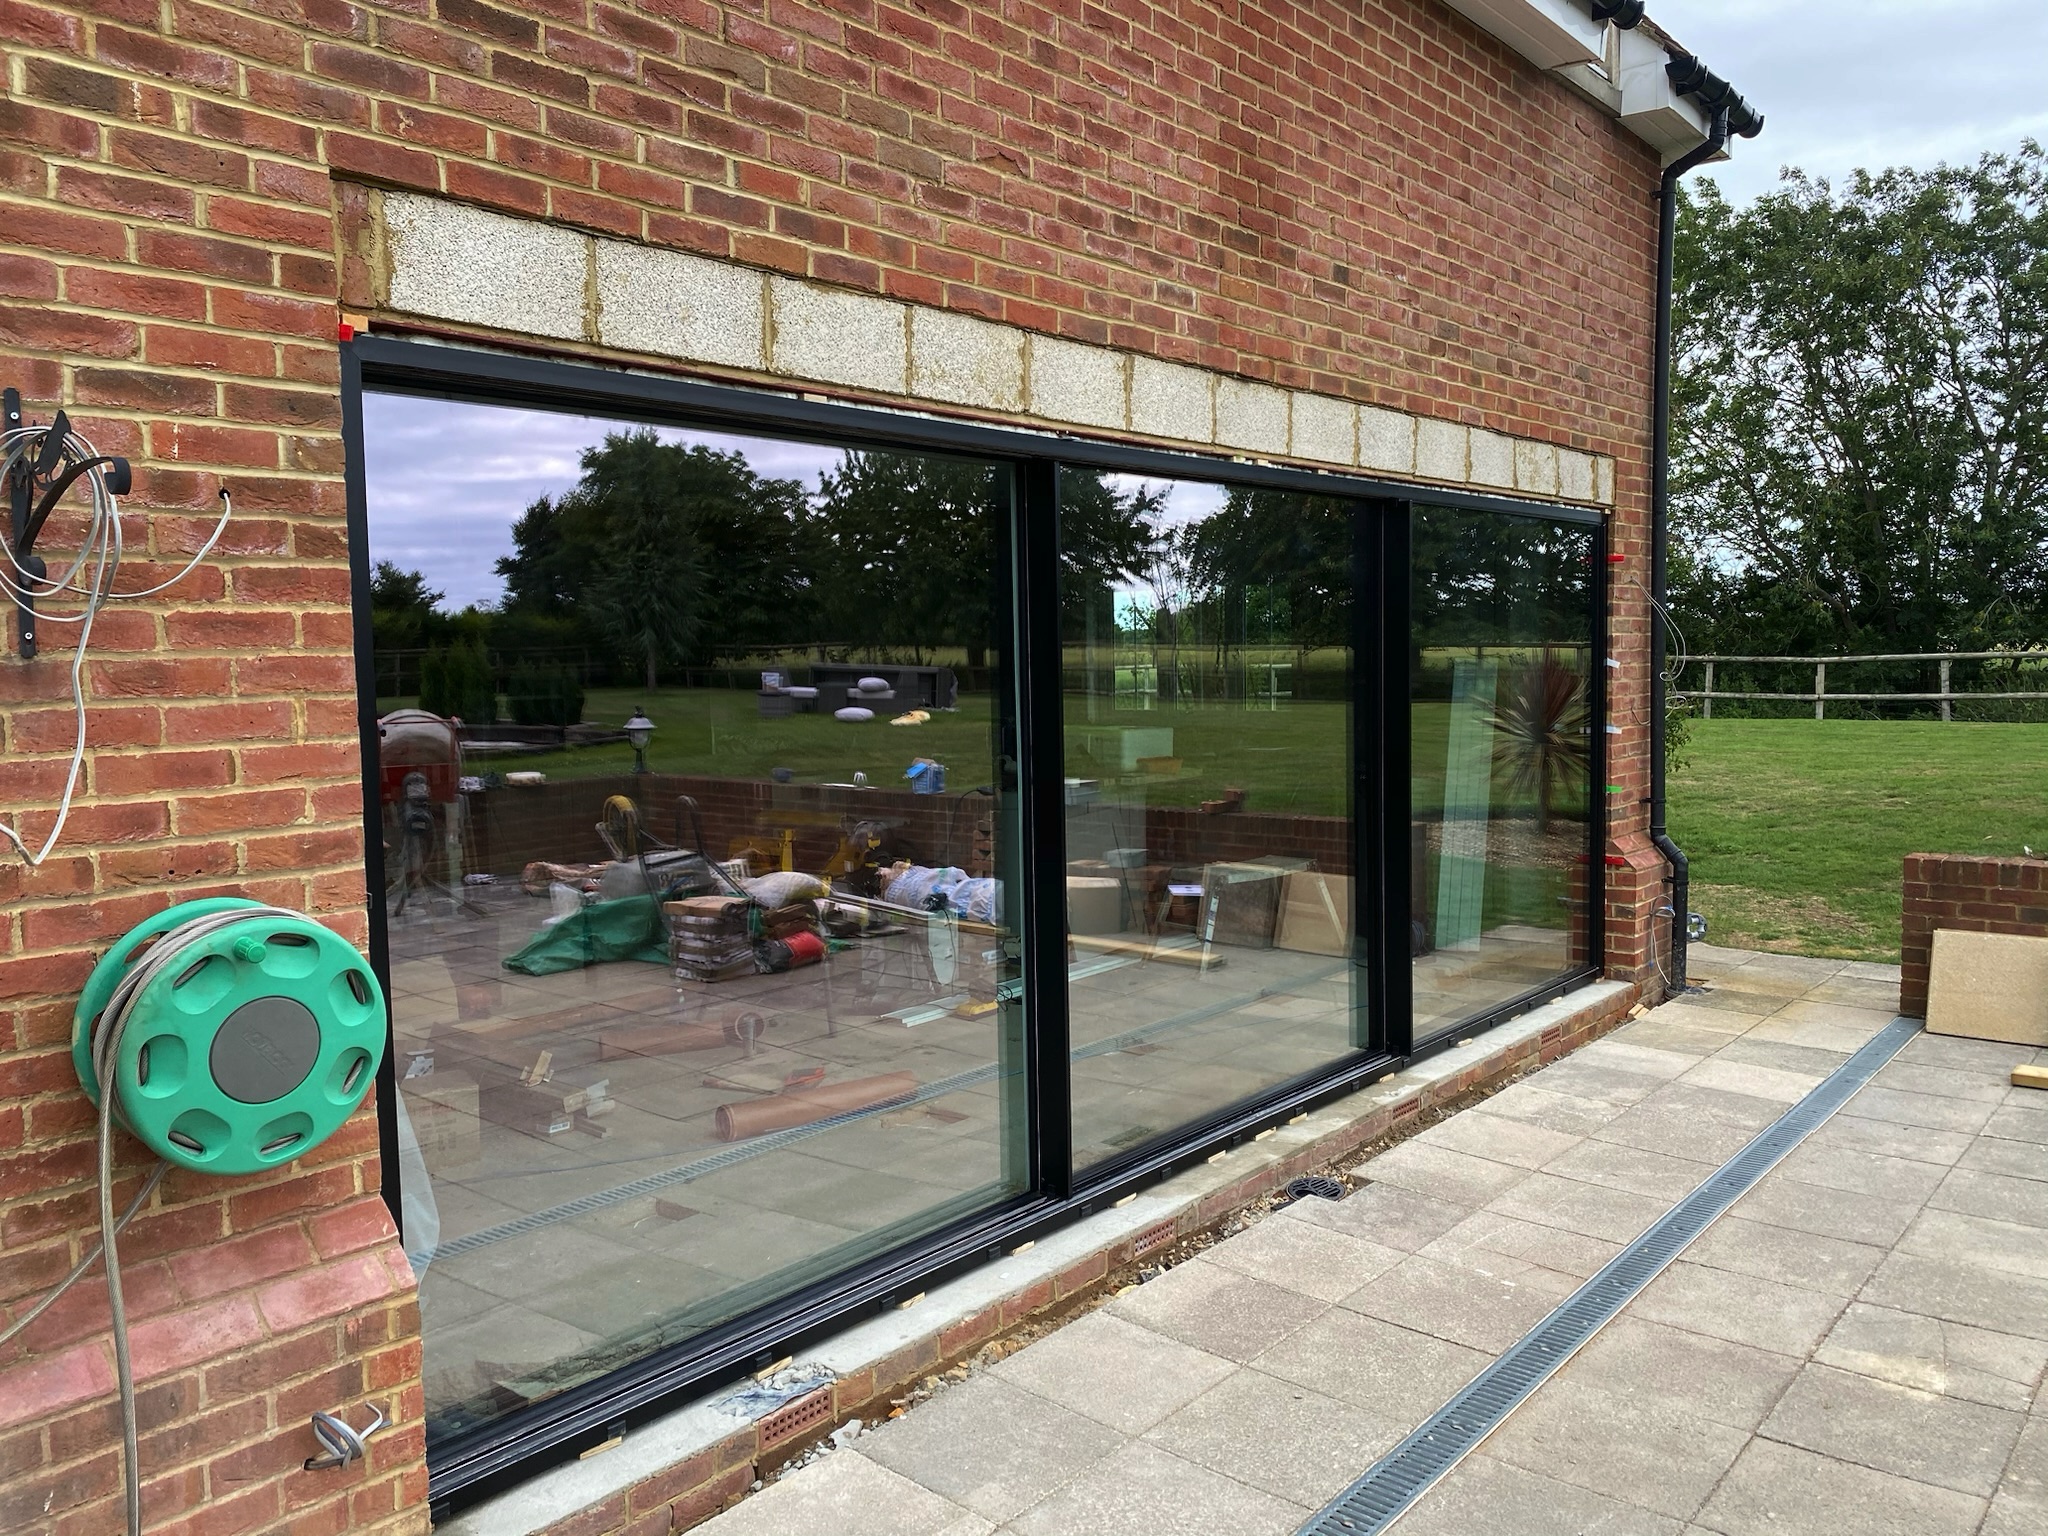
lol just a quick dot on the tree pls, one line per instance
(658, 551)
(904, 547)
(1860, 454)
(405, 613)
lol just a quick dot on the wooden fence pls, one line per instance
(1820, 696)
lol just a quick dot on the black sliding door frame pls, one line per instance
(1031, 818)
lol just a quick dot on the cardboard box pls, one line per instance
(444, 1112)
(1315, 914)
(1095, 904)
(1988, 986)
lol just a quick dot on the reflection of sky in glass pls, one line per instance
(1186, 503)
(447, 480)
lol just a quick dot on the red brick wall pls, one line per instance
(1947, 890)
(1375, 201)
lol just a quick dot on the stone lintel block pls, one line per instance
(1536, 469)
(836, 336)
(1325, 429)
(1172, 400)
(1493, 459)
(1442, 450)
(1073, 382)
(1603, 481)
(1576, 479)
(1251, 417)
(1386, 440)
(1989, 986)
(450, 261)
(965, 361)
(678, 305)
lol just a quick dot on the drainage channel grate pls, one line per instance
(1408, 1471)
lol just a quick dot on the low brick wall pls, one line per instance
(1947, 890)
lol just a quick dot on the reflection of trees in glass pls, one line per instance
(903, 550)
(660, 550)
(905, 555)
(1274, 565)
(1541, 720)
(1488, 580)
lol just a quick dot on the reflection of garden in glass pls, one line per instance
(1209, 838)
(584, 994)
(1500, 687)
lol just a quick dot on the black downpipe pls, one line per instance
(1660, 534)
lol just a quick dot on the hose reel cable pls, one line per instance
(90, 575)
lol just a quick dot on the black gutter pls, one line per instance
(1689, 77)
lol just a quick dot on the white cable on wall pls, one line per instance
(99, 555)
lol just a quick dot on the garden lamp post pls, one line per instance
(639, 731)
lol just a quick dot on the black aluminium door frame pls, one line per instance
(473, 1465)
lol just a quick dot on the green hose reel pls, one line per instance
(242, 1035)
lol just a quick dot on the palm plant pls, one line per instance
(1541, 722)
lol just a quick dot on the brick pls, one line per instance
(539, 79)
(202, 253)
(268, 222)
(325, 1291)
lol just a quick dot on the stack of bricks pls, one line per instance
(1380, 203)
(1950, 890)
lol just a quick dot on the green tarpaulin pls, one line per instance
(626, 929)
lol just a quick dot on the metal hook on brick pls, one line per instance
(343, 1443)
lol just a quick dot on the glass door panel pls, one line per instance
(1500, 690)
(698, 910)
(1209, 883)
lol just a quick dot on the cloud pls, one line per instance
(1869, 84)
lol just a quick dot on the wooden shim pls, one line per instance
(1200, 959)
(2030, 1077)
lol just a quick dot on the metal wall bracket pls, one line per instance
(34, 487)
(344, 1444)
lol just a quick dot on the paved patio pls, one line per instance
(1857, 1347)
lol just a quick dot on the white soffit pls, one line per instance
(1650, 109)
(1548, 33)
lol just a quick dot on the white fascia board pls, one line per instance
(1548, 33)
(1650, 109)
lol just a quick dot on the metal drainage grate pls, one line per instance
(1319, 1185)
(1444, 1439)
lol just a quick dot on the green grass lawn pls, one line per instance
(1289, 759)
(1796, 829)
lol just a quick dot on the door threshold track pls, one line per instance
(1394, 1483)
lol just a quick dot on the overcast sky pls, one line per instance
(1845, 84)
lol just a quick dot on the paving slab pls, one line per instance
(1974, 1364)
(1743, 1309)
(991, 1447)
(1462, 1302)
(1651, 1454)
(1145, 1491)
(1486, 1494)
(1114, 1371)
(849, 1495)
(1316, 1261)
(1832, 1266)
(1223, 1312)
(1278, 1436)
(1774, 1489)
(1926, 1436)
(1727, 1383)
